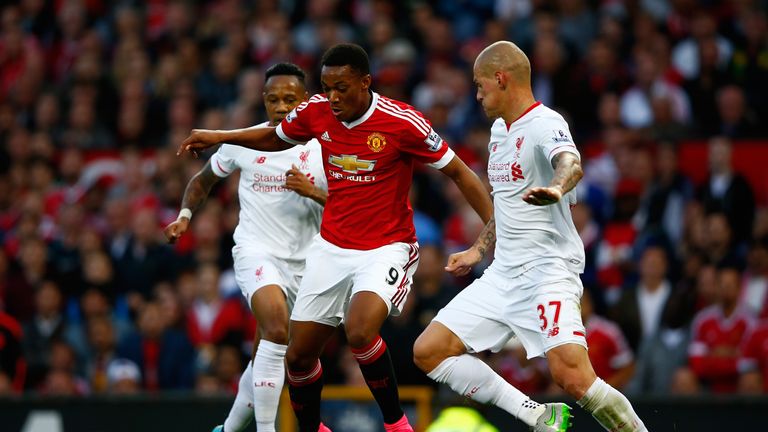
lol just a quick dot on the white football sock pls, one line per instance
(268, 379)
(241, 413)
(611, 408)
(471, 377)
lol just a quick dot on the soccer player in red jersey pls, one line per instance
(361, 265)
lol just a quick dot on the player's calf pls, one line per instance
(571, 370)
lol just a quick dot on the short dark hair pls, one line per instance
(347, 54)
(285, 69)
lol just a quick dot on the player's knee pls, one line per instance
(572, 377)
(297, 361)
(274, 332)
(359, 337)
(566, 378)
(427, 354)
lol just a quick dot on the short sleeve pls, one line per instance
(296, 127)
(424, 143)
(555, 138)
(224, 161)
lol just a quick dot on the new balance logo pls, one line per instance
(325, 136)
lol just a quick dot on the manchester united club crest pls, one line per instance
(376, 142)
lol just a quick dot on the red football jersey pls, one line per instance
(369, 166)
(754, 356)
(716, 345)
(608, 349)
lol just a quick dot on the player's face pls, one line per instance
(346, 90)
(282, 93)
(488, 94)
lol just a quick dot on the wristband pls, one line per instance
(185, 213)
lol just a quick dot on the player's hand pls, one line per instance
(460, 263)
(199, 140)
(298, 182)
(175, 229)
(542, 196)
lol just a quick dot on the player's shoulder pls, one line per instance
(403, 115)
(386, 101)
(312, 104)
(550, 127)
(231, 151)
(542, 117)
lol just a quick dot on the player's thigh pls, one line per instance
(254, 271)
(324, 288)
(475, 315)
(388, 272)
(364, 317)
(549, 311)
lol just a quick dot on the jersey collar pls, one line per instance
(530, 108)
(367, 114)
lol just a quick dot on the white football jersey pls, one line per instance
(521, 158)
(274, 219)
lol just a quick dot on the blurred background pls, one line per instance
(667, 101)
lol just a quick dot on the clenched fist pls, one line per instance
(176, 229)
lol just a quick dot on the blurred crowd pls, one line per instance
(96, 95)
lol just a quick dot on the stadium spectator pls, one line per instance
(42, 330)
(718, 333)
(123, 377)
(754, 295)
(639, 309)
(165, 356)
(728, 191)
(212, 320)
(609, 352)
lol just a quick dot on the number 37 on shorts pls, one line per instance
(549, 317)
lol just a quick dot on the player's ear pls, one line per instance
(306, 95)
(501, 80)
(366, 81)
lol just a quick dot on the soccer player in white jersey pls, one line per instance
(360, 266)
(281, 197)
(532, 288)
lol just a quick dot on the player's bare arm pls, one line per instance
(195, 195)
(262, 138)
(298, 182)
(471, 187)
(478, 197)
(460, 263)
(568, 172)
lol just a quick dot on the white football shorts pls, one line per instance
(541, 306)
(255, 269)
(333, 275)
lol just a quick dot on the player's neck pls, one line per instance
(519, 105)
(364, 108)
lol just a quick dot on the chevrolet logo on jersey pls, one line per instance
(350, 163)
